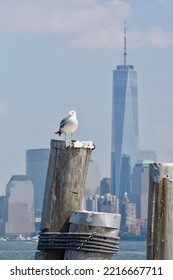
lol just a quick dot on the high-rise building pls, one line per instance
(36, 170)
(105, 186)
(140, 188)
(147, 155)
(92, 183)
(20, 210)
(128, 214)
(125, 177)
(124, 120)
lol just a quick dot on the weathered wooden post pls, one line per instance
(67, 169)
(160, 212)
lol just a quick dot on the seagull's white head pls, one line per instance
(72, 113)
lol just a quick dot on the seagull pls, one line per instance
(68, 124)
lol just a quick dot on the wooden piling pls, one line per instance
(160, 212)
(67, 169)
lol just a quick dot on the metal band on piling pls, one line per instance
(90, 242)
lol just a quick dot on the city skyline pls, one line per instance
(59, 55)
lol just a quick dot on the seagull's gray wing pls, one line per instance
(63, 122)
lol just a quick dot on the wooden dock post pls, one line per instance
(160, 212)
(67, 169)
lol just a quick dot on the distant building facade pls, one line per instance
(125, 177)
(3, 214)
(140, 188)
(149, 155)
(128, 214)
(20, 206)
(36, 171)
(92, 183)
(105, 186)
(91, 204)
(106, 203)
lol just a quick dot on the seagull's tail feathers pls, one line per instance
(58, 132)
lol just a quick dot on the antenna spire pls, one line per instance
(125, 45)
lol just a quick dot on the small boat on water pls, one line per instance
(28, 238)
(2, 239)
(35, 238)
(20, 238)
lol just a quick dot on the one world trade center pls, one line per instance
(124, 121)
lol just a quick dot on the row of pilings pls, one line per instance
(68, 232)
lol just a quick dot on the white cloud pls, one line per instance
(89, 23)
(158, 38)
(155, 37)
(57, 16)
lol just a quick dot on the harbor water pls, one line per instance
(25, 250)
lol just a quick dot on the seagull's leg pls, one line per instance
(65, 136)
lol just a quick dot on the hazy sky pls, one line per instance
(58, 55)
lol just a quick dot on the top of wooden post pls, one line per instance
(160, 171)
(63, 144)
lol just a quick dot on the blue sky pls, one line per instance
(58, 55)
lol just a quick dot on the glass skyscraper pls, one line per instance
(36, 170)
(124, 121)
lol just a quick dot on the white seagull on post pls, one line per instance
(68, 125)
